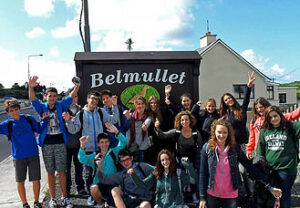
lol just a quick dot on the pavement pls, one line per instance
(9, 197)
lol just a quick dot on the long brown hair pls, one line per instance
(261, 101)
(267, 123)
(224, 109)
(159, 169)
(177, 123)
(157, 112)
(213, 140)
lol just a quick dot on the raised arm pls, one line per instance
(32, 83)
(251, 144)
(74, 92)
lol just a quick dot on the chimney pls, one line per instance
(207, 39)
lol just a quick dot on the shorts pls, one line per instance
(131, 201)
(106, 193)
(55, 157)
(34, 169)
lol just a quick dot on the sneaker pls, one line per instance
(37, 205)
(52, 203)
(66, 202)
(82, 192)
(91, 201)
(100, 206)
(26, 205)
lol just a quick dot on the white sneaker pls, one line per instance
(66, 202)
(52, 203)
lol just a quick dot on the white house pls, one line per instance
(224, 70)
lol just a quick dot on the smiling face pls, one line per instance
(221, 133)
(186, 103)
(165, 161)
(14, 112)
(92, 102)
(126, 161)
(260, 109)
(274, 118)
(185, 121)
(153, 104)
(140, 106)
(103, 144)
(210, 107)
(51, 98)
(106, 100)
(228, 100)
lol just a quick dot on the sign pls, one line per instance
(138, 73)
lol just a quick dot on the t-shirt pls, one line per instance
(54, 134)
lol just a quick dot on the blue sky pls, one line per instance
(266, 33)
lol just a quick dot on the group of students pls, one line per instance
(148, 157)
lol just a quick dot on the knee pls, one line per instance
(115, 192)
(145, 204)
(94, 190)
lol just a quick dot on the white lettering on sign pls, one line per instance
(119, 77)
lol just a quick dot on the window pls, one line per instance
(270, 92)
(239, 90)
(282, 97)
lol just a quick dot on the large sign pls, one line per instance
(129, 74)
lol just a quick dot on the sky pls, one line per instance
(266, 33)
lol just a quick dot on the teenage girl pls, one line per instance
(165, 179)
(279, 144)
(236, 114)
(258, 111)
(219, 172)
(206, 117)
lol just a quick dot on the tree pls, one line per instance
(1, 86)
(129, 43)
(15, 86)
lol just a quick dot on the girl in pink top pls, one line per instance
(258, 111)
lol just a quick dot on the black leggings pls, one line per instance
(215, 202)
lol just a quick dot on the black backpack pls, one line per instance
(10, 126)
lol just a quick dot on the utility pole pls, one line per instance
(86, 27)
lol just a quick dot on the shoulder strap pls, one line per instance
(9, 128)
(101, 115)
(81, 121)
(120, 115)
(195, 137)
(113, 156)
(27, 117)
(140, 169)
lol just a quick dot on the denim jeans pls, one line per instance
(285, 184)
(216, 202)
(72, 154)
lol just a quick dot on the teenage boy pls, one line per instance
(90, 122)
(54, 138)
(126, 193)
(20, 130)
(73, 146)
(110, 161)
(123, 122)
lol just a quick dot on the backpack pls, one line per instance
(81, 119)
(122, 179)
(10, 126)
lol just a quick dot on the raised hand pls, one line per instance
(111, 128)
(83, 141)
(168, 89)
(32, 82)
(76, 82)
(144, 127)
(45, 115)
(126, 113)
(251, 79)
(114, 100)
(66, 116)
(199, 103)
(277, 193)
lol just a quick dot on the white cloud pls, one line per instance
(262, 64)
(47, 71)
(156, 24)
(54, 51)
(42, 8)
(69, 30)
(95, 37)
(35, 32)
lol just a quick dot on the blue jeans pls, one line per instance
(285, 184)
(216, 202)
